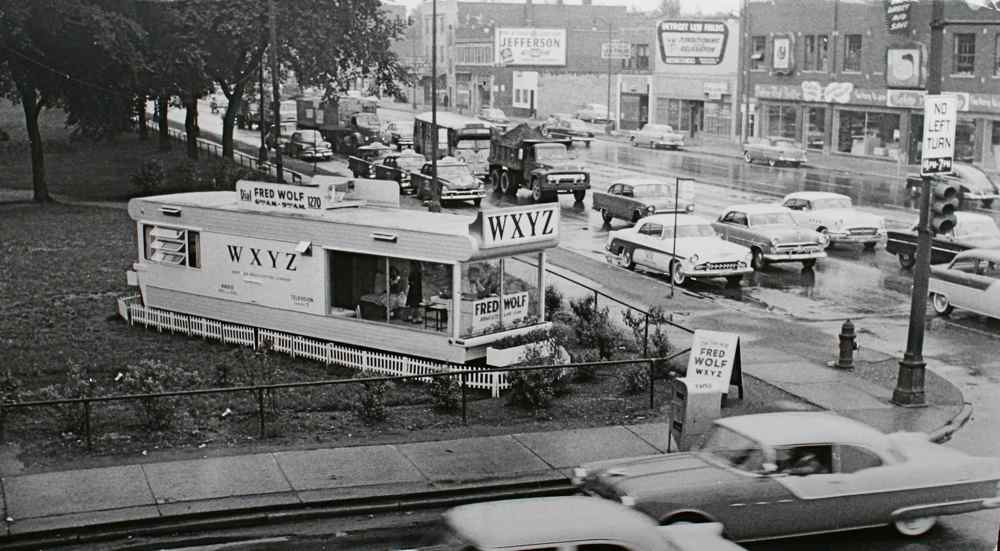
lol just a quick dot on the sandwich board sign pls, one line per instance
(715, 358)
(938, 144)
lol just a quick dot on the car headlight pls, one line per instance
(693, 258)
(651, 209)
(775, 241)
(579, 474)
(689, 208)
(627, 500)
(824, 239)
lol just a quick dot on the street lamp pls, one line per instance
(608, 105)
(434, 205)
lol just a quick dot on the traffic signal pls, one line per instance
(944, 203)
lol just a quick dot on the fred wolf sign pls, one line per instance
(280, 197)
(938, 144)
(506, 227)
(715, 359)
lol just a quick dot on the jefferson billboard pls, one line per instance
(526, 46)
(692, 42)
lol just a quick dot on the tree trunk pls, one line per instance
(32, 106)
(191, 125)
(140, 107)
(161, 103)
(229, 119)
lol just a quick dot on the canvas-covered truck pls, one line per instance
(347, 122)
(524, 157)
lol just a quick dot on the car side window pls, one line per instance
(728, 217)
(651, 229)
(852, 459)
(627, 191)
(615, 189)
(805, 460)
(739, 218)
(967, 265)
(795, 204)
(991, 269)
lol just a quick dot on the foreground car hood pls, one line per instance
(656, 474)
(848, 218)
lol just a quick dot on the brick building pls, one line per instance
(545, 58)
(832, 74)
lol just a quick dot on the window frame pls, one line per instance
(173, 249)
(996, 54)
(809, 52)
(962, 60)
(758, 64)
(855, 58)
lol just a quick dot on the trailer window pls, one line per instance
(482, 309)
(174, 246)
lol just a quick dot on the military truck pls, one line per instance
(524, 157)
(347, 122)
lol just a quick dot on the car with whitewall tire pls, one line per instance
(771, 234)
(971, 281)
(835, 216)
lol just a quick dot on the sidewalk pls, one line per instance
(181, 490)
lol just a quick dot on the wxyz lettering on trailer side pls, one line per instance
(264, 257)
(521, 225)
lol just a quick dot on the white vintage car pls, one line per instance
(700, 253)
(971, 281)
(834, 215)
(658, 135)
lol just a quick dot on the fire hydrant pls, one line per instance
(848, 345)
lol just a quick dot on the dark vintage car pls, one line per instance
(362, 163)
(633, 198)
(973, 185)
(398, 167)
(787, 474)
(971, 231)
(458, 183)
(398, 134)
(572, 129)
(308, 145)
(771, 234)
(774, 150)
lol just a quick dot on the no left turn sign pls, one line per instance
(938, 144)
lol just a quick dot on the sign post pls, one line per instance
(938, 149)
(616, 49)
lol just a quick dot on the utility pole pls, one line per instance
(435, 203)
(744, 71)
(275, 90)
(909, 389)
(262, 154)
(609, 78)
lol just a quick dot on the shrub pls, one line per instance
(151, 178)
(151, 377)
(370, 405)
(446, 393)
(77, 384)
(536, 389)
(634, 379)
(658, 342)
(592, 327)
(187, 175)
(586, 374)
(553, 302)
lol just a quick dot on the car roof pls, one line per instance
(524, 522)
(682, 219)
(788, 428)
(992, 255)
(757, 208)
(812, 195)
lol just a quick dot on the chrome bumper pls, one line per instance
(844, 237)
(462, 195)
(793, 257)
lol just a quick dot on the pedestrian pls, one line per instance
(414, 291)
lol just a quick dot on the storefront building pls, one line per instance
(849, 78)
(694, 81)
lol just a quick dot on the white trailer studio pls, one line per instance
(338, 272)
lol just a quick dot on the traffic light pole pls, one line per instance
(909, 389)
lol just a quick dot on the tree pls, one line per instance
(76, 54)
(668, 9)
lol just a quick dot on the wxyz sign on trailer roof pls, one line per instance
(515, 227)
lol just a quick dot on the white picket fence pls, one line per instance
(297, 346)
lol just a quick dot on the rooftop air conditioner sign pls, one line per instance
(531, 46)
(692, 42)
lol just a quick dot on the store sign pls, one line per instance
(940, 117)
(811, 90)
(905, 99)
(903, 67)
(692, 42)
(530, 46)
(778, 91)
(616, 49)
(984, 103)
(266, 196)
(517, 226)
(715, 89)
(486, 311)
(712, 358)
(897, 15)
(781, 60)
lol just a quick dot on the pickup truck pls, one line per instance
(633, 198)
(971, 231)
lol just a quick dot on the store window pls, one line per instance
(781, 121)
(869, 134)
(718, 118)
(678, 113)
(996, 55)
(965, 140)
(852, 53)
(497, 295)
(995, 143)
(964, 62)
(816, 131)
(399, 291)
(758, 44)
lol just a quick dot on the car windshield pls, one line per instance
(493, 114)
(311, 136)
(734, 450)
(772, 219)
(410, 162)
(784, 143)
(402, 128)
(832, 203)
(688, 230)
(551, 152)
(652, 190)
(367, 120)
(474, 145)
(977, 228)
(458, 174)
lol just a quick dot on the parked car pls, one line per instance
(973, 185)
(658, 135)
(308, 145)
(565, 523)
(700, 253)
(834, 215)
(398, 134)
(774, 150)
(971, 281)
(287, 129)
(633, 198)
(593, 112)
(572, 129)
(458, 183)
(398, 166)
(362, 163)
(787, 474)
(494, 116)
(771, 234)
(971, 231)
